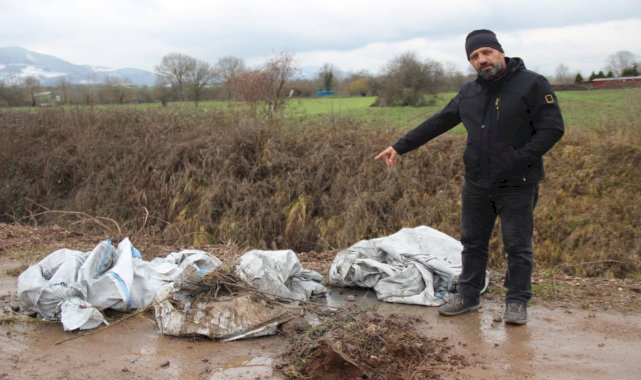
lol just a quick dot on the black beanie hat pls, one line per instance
(481, 38)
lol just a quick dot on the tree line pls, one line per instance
(404, 80)
(620, 64)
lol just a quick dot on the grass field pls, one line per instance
(587, 111)
(584, 111)
(359, 108)
(592, 111)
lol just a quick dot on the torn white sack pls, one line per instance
(73, 286)
(181, 310)
(414, 265)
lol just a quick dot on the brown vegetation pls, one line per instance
(210, 176)
(355, 345)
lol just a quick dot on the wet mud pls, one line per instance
(557, 343)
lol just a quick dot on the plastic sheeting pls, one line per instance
(415, 266)
(280, 273)
(181, 311)
(72, 286)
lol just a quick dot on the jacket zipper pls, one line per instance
(497, 104)
(485, 144)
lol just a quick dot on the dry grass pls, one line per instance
(363, 344)
(200, 177)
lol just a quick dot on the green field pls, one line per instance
(588, 111)
(595, 111)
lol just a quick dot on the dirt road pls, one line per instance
(590, 329)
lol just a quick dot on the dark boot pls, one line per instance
(458, 305)
(515, 313)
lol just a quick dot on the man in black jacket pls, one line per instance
(512, 119)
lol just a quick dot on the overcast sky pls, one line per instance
(351, 35)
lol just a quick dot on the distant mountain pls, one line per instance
(17, 63)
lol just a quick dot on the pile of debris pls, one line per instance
(364, 344)
(250, 300)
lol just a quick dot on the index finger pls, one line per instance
(385, 152)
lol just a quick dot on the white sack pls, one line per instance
(184, 311)
(181, 311)
(67, 282)
(279, 273)
(415, 265)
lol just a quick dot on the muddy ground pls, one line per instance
(579, 328)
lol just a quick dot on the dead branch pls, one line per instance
(137, 312)
(99, 220)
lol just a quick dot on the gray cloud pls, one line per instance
(350, 34)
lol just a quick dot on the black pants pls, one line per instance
(515, 207)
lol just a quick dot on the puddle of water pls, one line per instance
(554, 344)
(246, 361)
(244, 366)
(131, 349)
(8, 284)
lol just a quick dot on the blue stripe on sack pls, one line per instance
(124, 288)
(135, 253)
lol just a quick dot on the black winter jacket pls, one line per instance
(510, 121)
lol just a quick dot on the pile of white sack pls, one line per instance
(74, 287)
(417, 266)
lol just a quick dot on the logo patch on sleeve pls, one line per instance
(549, 98)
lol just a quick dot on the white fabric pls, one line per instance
(78, 314)
(180, 311)
(73, 286)
(279, 273)
(415, 266)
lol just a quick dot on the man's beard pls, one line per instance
(492, 74)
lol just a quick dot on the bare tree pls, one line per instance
(563, 75)
(620, 61)
(453, 78)
(115, 90)
(201, 75)
(4, 95)
(278, 70)
(435, 73)
(65, 88)
(406, 81)
(229, 69)
(267, 85)
(173, 70)
(33, 86)
(251, 85)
